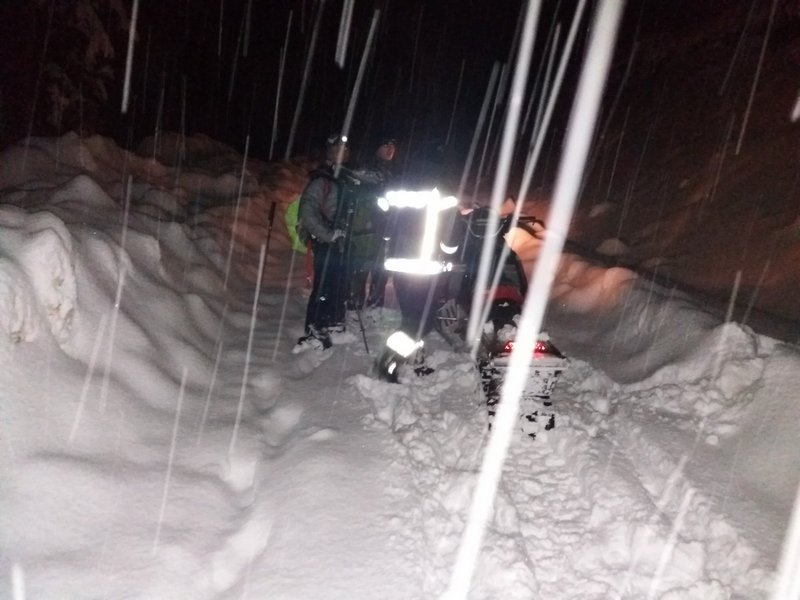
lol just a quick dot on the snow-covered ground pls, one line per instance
(158, 440)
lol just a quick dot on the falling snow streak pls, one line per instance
(501, 92)
(483, 497)
(754, 296)
(579, 136)
(278, 91)
(669, 546)
(17, 582)
(219, 35)
(490, 129)
(37, 86)
(538, 136)
(111, 340)
(344, 32)
(362, 67)
(540, 85)
(246, 373)
(160, 115)
(182, 137)
(552, 43)
(211, 384)
(220, 344)
(87, 380)
(416, 48)
(739, 46)
(616, 154)
(787, 586)
(518, 86)
(182, 154)
(541, 126)
(286, 291)
(126, 89)
(487, 97)
(613, 109)
(125, 216)
(304, 81)
(118, 298)
(795, 110)
(757, 76)
(146, 74)
(170, 461)
(539, 132)
(455, 103)
(718, 174)
(232, 80)
(247, 21)
(734, 293)
(235, 224)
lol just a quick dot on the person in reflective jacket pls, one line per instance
(421, 226)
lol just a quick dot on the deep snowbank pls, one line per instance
(152, 447)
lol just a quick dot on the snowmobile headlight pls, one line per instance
(383, 204)
(403, 344)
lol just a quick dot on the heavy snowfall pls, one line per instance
(158, 439)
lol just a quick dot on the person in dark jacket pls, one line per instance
(368, 229)
(320, 221)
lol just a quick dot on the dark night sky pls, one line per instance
(191, 73)
(409, 88)
(399, 92)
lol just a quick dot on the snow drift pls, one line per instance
(157, 443)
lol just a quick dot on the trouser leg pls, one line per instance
(326, 303)
(416, 297)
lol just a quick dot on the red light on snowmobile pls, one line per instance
(540, 348)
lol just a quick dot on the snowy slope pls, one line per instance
(158, 443)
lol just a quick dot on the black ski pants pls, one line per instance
(326, 303)
(416, 295)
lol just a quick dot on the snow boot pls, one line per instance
(314, 340)
(419, 365)
(387, 366)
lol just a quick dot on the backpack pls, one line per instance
(292, 226)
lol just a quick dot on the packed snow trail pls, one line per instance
(309, 473)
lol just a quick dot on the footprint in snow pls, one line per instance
(230, 564)
(308, 361)
(320, 434)
(280, 422)
(265, 388)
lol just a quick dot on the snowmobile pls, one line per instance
(455, 296)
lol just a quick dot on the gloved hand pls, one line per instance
(337, 233)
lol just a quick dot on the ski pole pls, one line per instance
(363, 331)
(271, 222)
